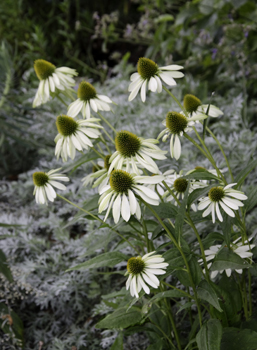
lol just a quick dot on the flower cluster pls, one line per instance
(129, 179)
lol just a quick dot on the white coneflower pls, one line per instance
(120, 194)
(194, 106)
(176, 124)
(100, 173)
(142, 270)
(226, 197)
(52, 80)
(178, 184)
(74, 135)
(132, 151)
(149, 73)
(87, 97)
(44, 183)
(168, 178)
(243, 250)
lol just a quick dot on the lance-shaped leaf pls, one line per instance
(207, 293)
(121, 318)
(209, 336)
(104, 260)
(227, 259)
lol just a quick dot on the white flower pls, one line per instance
(149, 73)
(143, 270)
(243, 250)
(87, 97)
(74, 135)
(52, 80)
(120, 194)
(176, 124)
(44, 183)
(168, 178)
(132, 151)
(178, 184)
(194, 106)
(226, 197)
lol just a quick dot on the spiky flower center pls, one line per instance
(191, 103)
(66, 125)
(146, 68)
(216, 194)
(43, 69)
(121, 181)
(106, 162)
(180, 185)
(86, 91)
(40, 178)
(176, 122)
(127, 144)
(135, 265)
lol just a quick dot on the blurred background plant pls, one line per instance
(216, 42)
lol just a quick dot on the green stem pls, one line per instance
(97, 218)
(172, 320)
(180, 290)
(146, 235)
(165, 335)
(60, 99)
(183, 256)
(106, 121)
(190, 222)
(105, 143)
(210, 156)
(250, 293)
(222, 151)
(100, 155)
(176, 100)
(201, 246)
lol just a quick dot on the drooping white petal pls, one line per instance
(171, 67)
(125, 208)
(135, 91)
(218, 212)
(143, 91)
(227, 209)
(57, 185)
(116, 209)
(177, 148)
(167, 79)
(132, 202)
(152, 85)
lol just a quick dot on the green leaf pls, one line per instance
(4, 268)
(156, 346)
(200, 192)
(167, 294)
(227, 259)
(209, 336)
(164, 18)
(9, 226)
(16, 327)
(121, 319)
(120, 293)
(181, 215)
(109, 259)
(226, 228)
(185, 306)
(164, 210)
(246, 169)
(118, 344)
(207, 293)
(201, 174)
(238, 339)
(251, 202)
